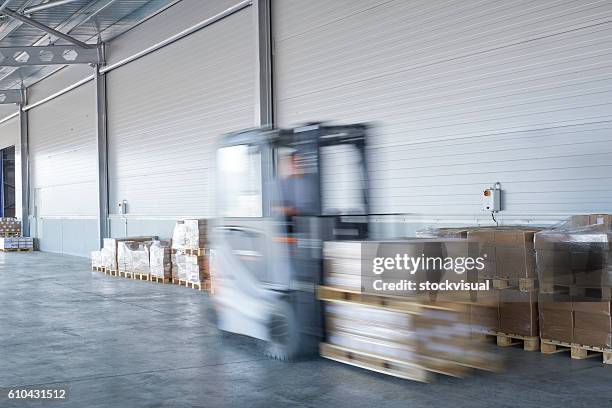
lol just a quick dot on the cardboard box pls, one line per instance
(508, 252)
(581, 256)
(160, 254)
(593, 321)
(518, 313)
(190, 234)
(556, 318)
(556, 324)
(600, 219)
(592, 338)
(603, 308)
(554, 267)
(484, 311)
(191, 268)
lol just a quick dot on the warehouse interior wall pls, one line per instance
(460, 97)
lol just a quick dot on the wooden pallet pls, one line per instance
(16, 249)
(372, 362)
(205, 285)
(339, 294)
(190, 251)
(140, 276)
(530, 343)
(125, 274)
(111, 272)
(159, 279)
(577, 351)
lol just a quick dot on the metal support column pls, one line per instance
(25, 167)
(264, 109)
(102, 149)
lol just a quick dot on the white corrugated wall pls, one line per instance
(165, 113)
(462, 95)
(63, 172)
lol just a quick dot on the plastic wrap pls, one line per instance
(192, 268)
(195, 233)
(574, 265)
(96, 259)
(160, 258)
(178, 235)
(580, 257)
(10, 227)
(189, 234)
(508, 253)
(108, 258)
(435, 232)
(133, 256)
(9, 242)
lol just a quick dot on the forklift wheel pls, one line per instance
(284, 333)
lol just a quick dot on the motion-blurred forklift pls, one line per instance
(281, 194)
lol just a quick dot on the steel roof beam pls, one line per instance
(26, 20)
(50, 55)
(46, 6)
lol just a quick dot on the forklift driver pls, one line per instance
(297, 190)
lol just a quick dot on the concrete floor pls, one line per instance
(121, 343)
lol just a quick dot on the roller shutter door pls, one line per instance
(63, 168)
(166, 111)
(462, 94)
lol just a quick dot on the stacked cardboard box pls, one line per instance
(574, 264)
(592, 324)
(434, 336)
(191, 268)
(510, 258)
(189, 262)
(26, 242)
(160, 259)
(110, 249)
(10, 227)
(9, 242)
(190, 234)
(385, 333)
(16, 243)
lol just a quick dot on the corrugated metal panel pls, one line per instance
(173, 20)
(165, 112)
(63, 154)
(463, 94)
(63, 167)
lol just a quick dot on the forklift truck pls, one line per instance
(267, 264)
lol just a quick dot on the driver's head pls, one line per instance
(290, 164)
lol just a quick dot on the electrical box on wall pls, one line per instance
(122, 207)
(491, 198)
